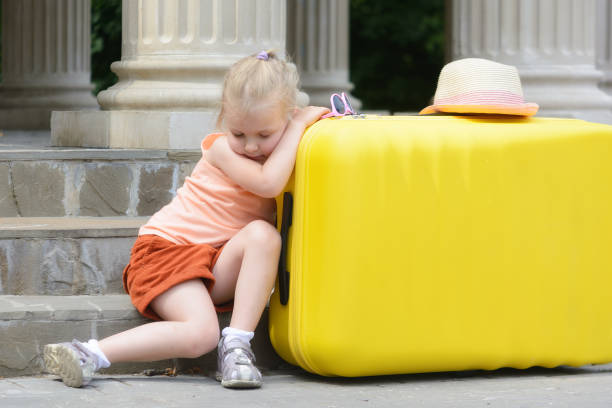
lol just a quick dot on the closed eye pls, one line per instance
(237, 134)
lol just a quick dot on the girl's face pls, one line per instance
(256, 133)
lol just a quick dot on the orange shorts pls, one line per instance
(157, 264)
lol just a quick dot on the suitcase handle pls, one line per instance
(283, 273)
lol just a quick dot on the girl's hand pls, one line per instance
(308, 115)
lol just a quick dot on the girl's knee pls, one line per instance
(200, 339)
(263, 234)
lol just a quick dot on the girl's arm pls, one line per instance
(267, 179)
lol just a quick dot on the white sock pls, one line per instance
(233, 333)
(101, 360)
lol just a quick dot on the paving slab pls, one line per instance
(532, 388)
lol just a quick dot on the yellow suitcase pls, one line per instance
(421, 244)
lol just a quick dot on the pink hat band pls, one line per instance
(482, 98)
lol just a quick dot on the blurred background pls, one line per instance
(396, 50)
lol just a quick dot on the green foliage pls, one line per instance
(397, 51)
(105, 41)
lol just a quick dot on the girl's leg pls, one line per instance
(190, 328)
(245, 271)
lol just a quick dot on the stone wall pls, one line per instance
(82, 183)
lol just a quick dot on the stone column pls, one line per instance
(604, 43)
(174, 57)
(45, 61)
(552, 43)
(318, 42)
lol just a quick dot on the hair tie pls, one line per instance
(263, 56)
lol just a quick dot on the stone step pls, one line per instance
(27, 323)
(44, 181)
(65, 255)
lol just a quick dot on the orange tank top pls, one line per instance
(209, 208)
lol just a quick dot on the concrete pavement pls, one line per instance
(536, 387)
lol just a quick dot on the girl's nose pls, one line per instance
(251, 147)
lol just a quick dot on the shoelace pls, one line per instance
(84, 353)
(245, 357)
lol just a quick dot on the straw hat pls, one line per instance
(476, 85)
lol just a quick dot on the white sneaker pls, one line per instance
(235, 365)
(72, 362)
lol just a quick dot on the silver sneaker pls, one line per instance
(235, 365)
(72, 362)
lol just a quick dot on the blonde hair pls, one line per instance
(255, 79)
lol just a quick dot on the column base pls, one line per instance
(569, 91)
(606, 83)
(25, 118)
(131, 129)
(28, 106)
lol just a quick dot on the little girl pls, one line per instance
(215, 242)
